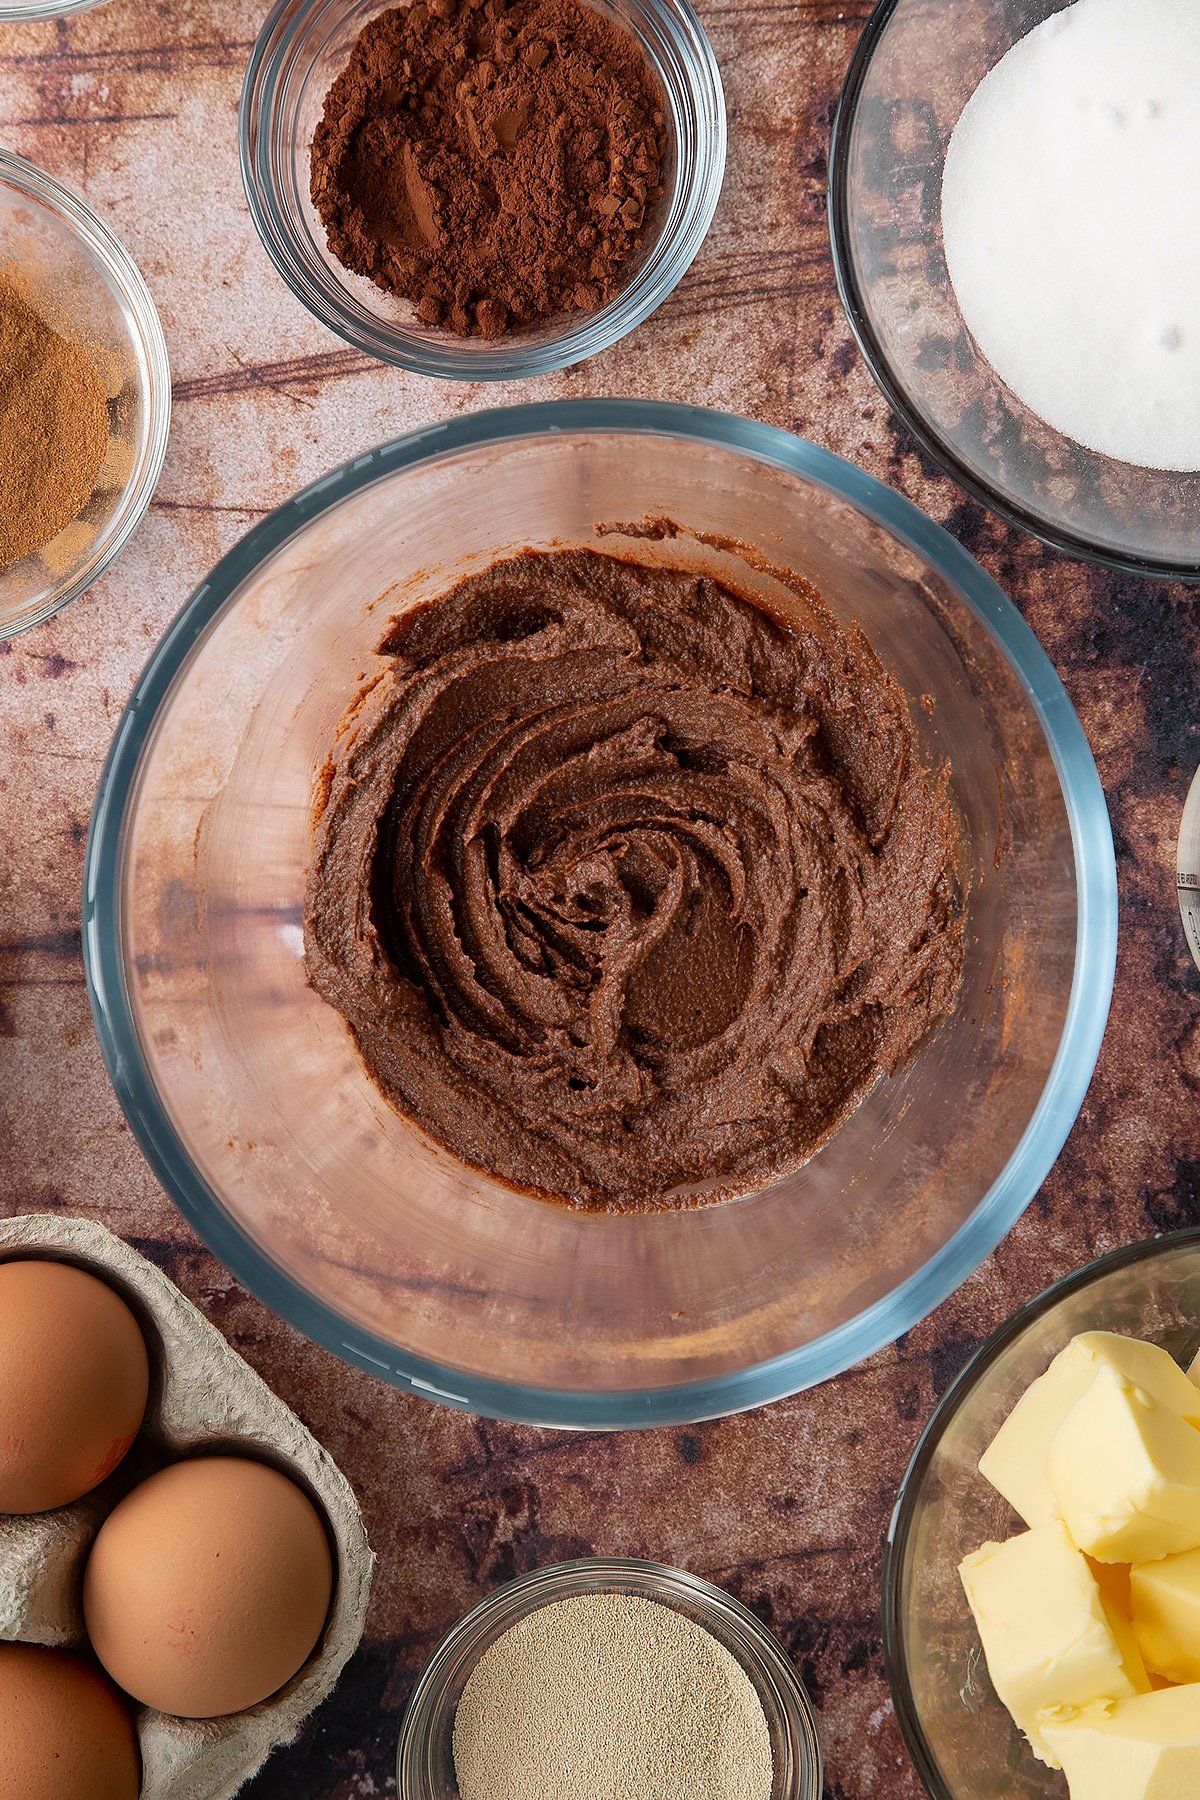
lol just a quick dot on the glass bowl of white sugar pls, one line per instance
(1017, 242)
(609, 1678)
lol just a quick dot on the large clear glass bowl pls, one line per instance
(245, 1090)
(425, 1760)
(916, 66)
(962, 1740)
(87, 285)
(302, 48)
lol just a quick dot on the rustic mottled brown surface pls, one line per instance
(136, 105)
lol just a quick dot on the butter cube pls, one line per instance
(1147, 1748)
(1194, 1369)
(1015, 1462)
(1046, 1633)
(1125, 1474)
(1165, 1602)
(1113, 1580)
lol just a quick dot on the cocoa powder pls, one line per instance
(496, 164)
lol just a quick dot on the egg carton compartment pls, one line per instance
(203, 1396)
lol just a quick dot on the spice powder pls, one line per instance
(495, 164)
(53, 428)
(610, 1697)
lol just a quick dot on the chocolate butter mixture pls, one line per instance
(623, 886)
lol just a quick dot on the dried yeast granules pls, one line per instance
(610, 1697)
(496, 164)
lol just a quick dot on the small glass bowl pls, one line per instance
(305, 44)
(962, 1739)
(425, 1765)
(29, 11)
(94, 290)
(916, 65)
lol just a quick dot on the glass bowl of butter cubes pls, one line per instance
(1041, 1592)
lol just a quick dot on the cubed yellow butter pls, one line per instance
(1015, 1462)
(1045, 1630)
(1113, 1580)
(1147, 1748)
(1125, 1474)
(1114, 1584)
(1116, 1598)
(1165, 1598)
(1194, 1369)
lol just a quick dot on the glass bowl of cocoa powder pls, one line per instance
(482, 190)
(86, 408)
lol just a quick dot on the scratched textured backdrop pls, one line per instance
(135, 104)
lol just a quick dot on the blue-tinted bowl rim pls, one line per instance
(1000, 1207)
(957, 1395)
(873, 354)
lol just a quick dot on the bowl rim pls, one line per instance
(1186, 877)
(1070, 543)
(997, 1210)
(48, 9)
(956, 1396)
(508, 359)
(589, 1575)
(150, 351)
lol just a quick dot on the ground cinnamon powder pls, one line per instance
(53, 428)
(494, 163)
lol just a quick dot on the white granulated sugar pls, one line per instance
(1071, 217)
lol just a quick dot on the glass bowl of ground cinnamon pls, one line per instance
(609, 1676)
(85, 400)
(482, 189)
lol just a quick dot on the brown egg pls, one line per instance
(65, 1732)
(208, 1586)
(74, 1379)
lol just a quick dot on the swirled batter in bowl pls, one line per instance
(628, 890)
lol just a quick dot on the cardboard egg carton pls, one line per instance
(202, 1396)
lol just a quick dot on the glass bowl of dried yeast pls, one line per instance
(629, 1676)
